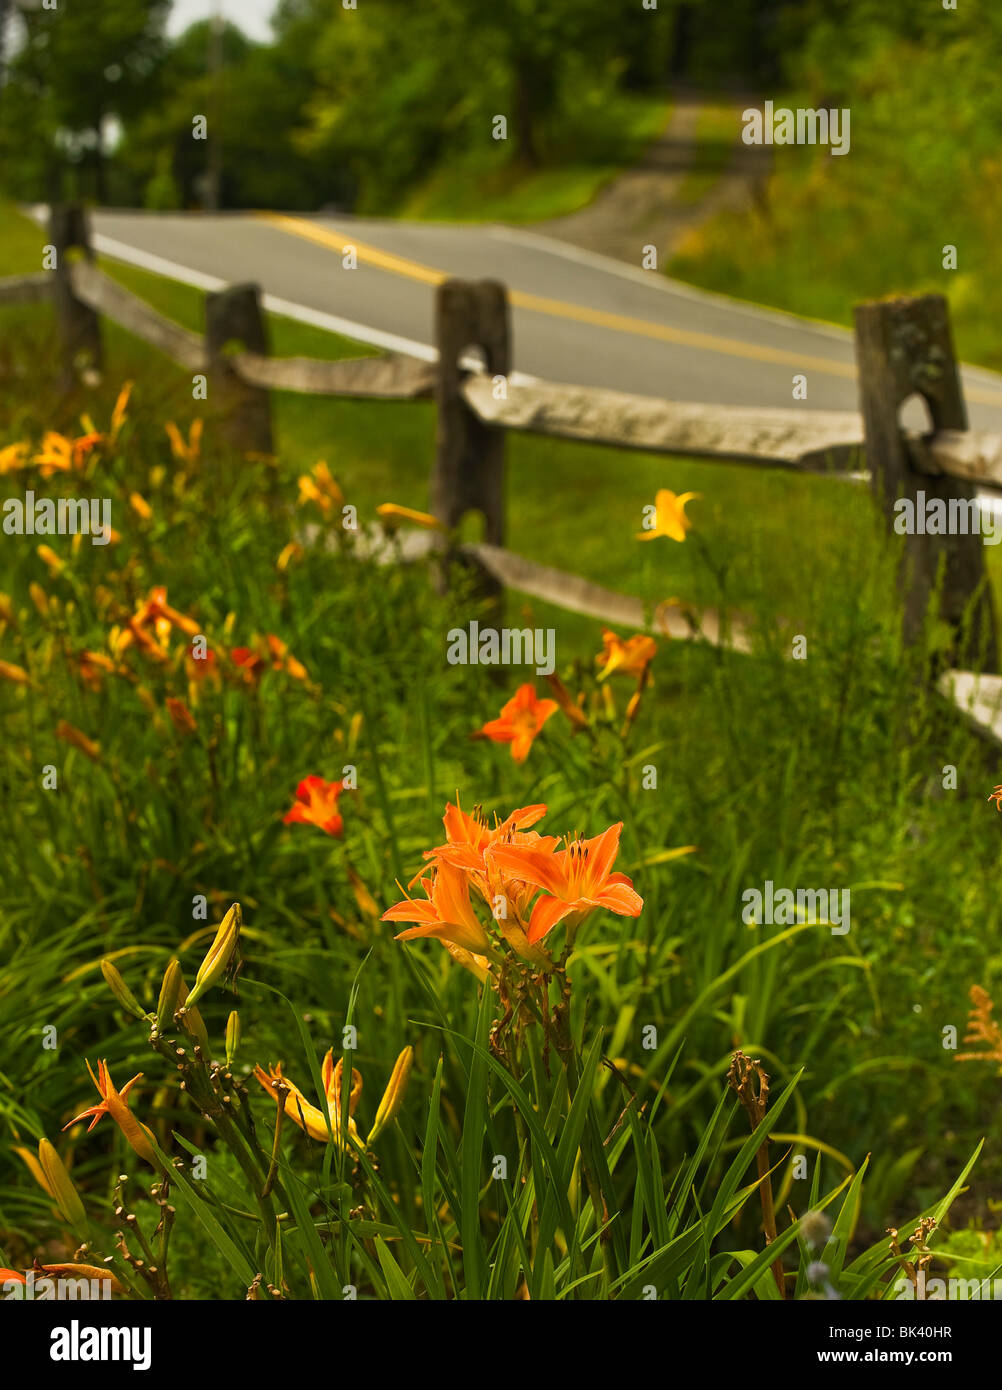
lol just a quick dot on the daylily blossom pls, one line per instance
(181, 716)
(119, 411)
(445, 912)
(49, 558)
(316, 804)
(64, 1271)
(13, 457)
(70, 734)
(320, 488)
(469, 846)
(272, 653)
(996, 796)
(60, 454)
(575, 880)
(308, 1117)
(185, 451)
(151, 624)
(520, 721)
(629, 658)
(670, 519)
(113, 1103)
(392, 515)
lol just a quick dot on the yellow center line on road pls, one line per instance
(580, 313)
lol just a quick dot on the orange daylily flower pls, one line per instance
(93, 667)
(113, 1103)
(469, 845)
(445, 913)
(629, 658)
(393, 515)
(150, 626)
(670, 519)
(49, 558)
(520, 721)
(283, 660)
(316, 804)
(252, 663)
(185, 451)
(70, 734)
(575, 880)
(319, 487)
(181, 716)
(119, 412)
(201, 668)
(308, 1117)
(13, 457)
(274, 654)
(996, 796)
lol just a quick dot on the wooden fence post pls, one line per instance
(469, 457)
(77, 324)
(903, 348)
(233, 315)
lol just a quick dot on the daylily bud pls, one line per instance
(121, 990)
(393, 1096)
(232, 1036)
(191, 1020)
(60, 1187)
(218, 957)
(168, 1002)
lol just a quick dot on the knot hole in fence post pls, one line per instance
(77, 324)
(233, 316)
(904, 348)
(468, 475)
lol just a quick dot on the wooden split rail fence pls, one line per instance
(903, 349)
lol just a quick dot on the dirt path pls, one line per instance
(653, 203)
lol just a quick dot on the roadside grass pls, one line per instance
(584, 151)
(827, 772)
(834, 230)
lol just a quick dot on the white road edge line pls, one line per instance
(274, 304)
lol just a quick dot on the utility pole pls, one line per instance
(214, 172)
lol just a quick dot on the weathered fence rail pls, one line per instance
(903, 347)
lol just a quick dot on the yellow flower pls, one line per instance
(140, 506)
(630, 658)
(293, 551)
(39, 598)
(392, 516)
(13, 457)
(70, 734)
(319, 487)
(49, 557)
(118, 414)
(185, 451)
(308, 1117)
(670, 518)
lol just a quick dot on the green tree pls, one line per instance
(78, 67)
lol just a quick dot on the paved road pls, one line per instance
(577, 317)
